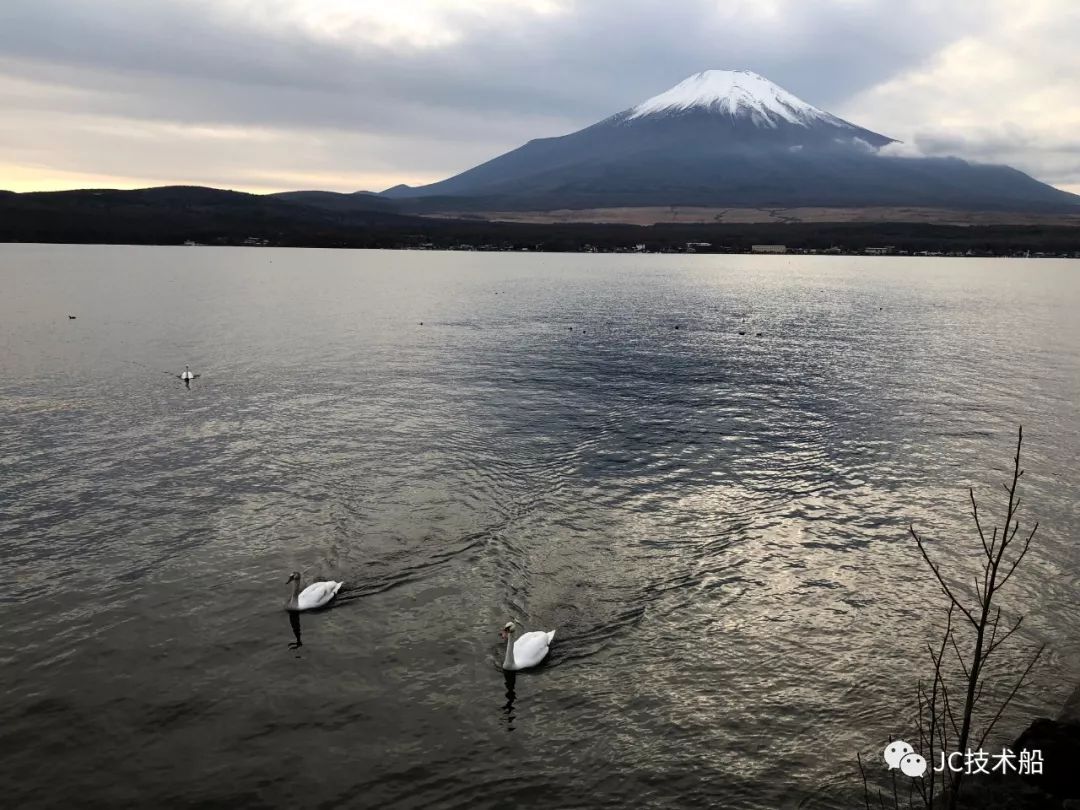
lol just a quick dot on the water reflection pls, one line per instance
(508, 707)
(294, 622)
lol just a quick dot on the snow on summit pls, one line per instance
(737, 93)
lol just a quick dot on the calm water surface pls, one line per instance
(715, 522)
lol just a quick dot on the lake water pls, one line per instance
(714, 522)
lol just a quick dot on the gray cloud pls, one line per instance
(1010, 144)
(988, 145)
(600, 58)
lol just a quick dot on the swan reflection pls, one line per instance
(294, 622)
(508, 708)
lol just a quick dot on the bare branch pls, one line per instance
(949, 712)
(993, 629)
(978, 524)
(995, 644)
(920, 705)
(940, 679)
(940, 579)
(1012, 535)
(927, 791)
(1016, 562)
(1011, 489)
(960, 657)
(939, 715)
(1012, 694)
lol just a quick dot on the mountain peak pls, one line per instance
(738, 93)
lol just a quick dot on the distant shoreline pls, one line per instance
(774, 215)
(622, 251)
(179, 215)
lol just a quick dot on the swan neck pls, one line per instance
(508, 661)
(296, 588)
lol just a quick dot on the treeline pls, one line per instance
(173, 216)
(733, 238)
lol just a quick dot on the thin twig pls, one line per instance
(995, 644)
(949, 714)
(1023, 553)
(1012, 694)
(940, 579)
(994, 628)
(978, 524)
(865, 788)
(959, 656)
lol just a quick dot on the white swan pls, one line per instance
(527, 651)
(313, 596)
(187, 375)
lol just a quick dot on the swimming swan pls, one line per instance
(313, 596)
(187, 375)
(527, 651)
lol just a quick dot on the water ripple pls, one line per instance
(714, 522)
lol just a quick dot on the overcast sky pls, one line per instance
(265, 95)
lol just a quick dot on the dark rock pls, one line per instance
(1059, 742)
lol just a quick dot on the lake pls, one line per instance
(699, 469)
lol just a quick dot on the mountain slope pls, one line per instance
(724, 138)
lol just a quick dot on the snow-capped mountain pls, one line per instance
(726, 138)
(737, 93)
(739, 105)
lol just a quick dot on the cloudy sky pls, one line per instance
(265, 95)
